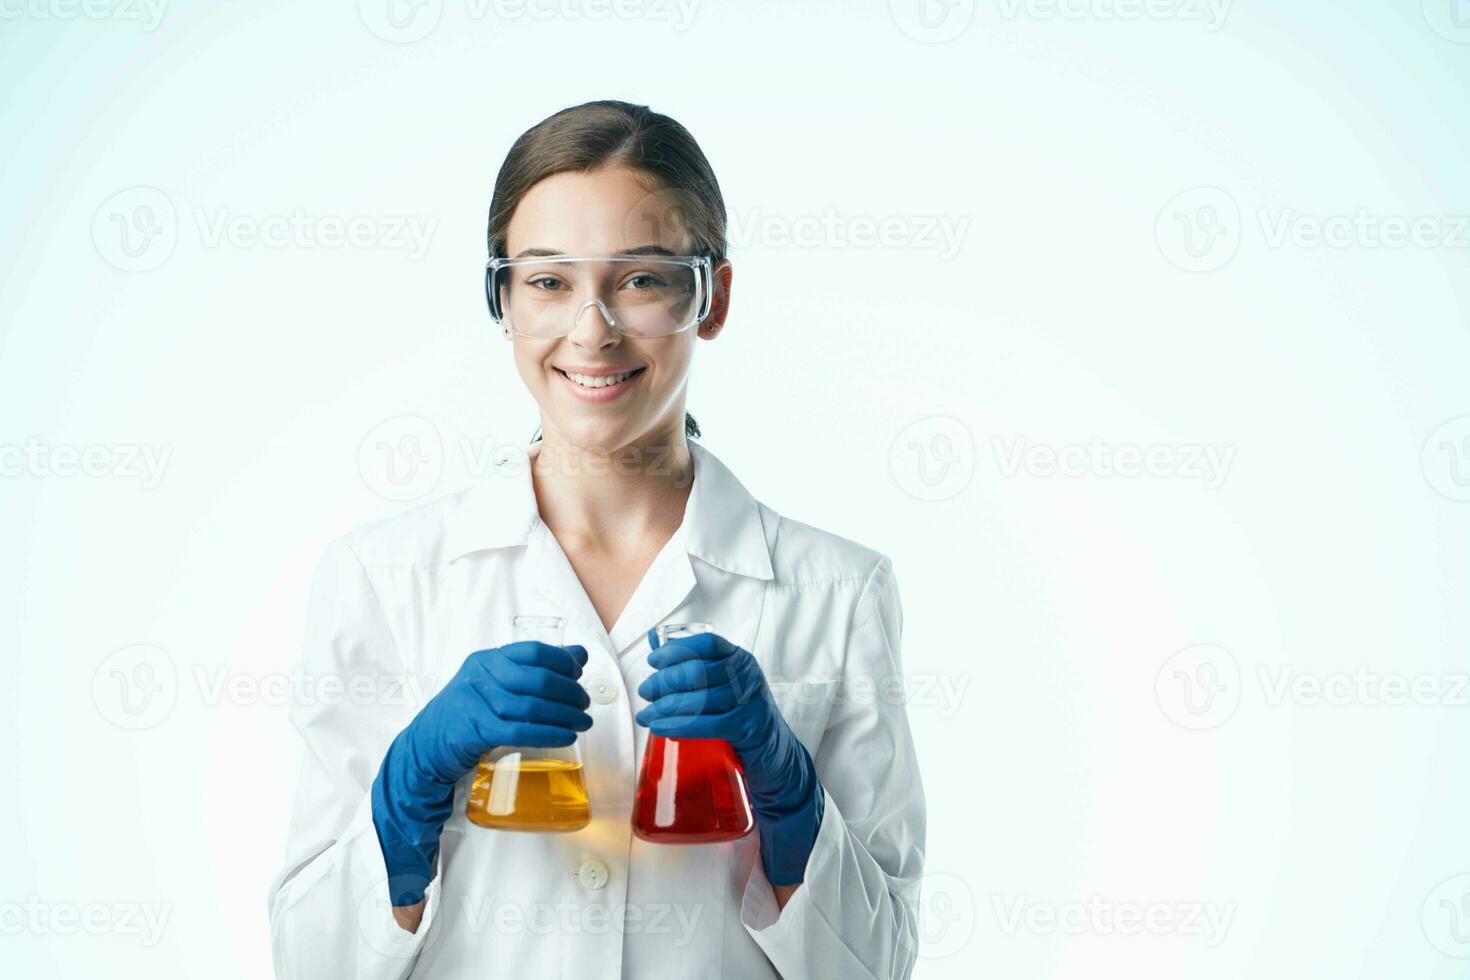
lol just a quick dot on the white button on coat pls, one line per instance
(592, 874)
(405, 600)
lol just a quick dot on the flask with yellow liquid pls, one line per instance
(526, 788)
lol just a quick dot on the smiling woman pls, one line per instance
(607, 262)
(615, 179)
(596, 319)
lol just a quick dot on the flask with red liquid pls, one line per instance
(690, 790)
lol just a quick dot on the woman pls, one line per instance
(607, 238)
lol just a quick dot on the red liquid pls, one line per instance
(691, 791)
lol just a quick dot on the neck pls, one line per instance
(614, 500)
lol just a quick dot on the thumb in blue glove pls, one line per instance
(524, 693)
(704, 686)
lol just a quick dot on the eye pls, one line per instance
(545, 283)
(641, 281)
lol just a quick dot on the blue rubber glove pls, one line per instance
(523, 693)
(704, 686)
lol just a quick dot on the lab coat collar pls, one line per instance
(722, 521)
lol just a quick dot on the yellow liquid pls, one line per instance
(529, 794)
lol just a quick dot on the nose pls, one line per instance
(592, 328)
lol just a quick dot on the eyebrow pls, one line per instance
(640, 250)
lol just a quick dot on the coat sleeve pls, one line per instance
(856, 912)
(330, 915)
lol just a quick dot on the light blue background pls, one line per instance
(1060, 138)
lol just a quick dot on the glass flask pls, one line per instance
(690, 790)
(524, 788)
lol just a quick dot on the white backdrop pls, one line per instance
(1134, 332)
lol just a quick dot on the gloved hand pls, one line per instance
(704, 686)
(523, 693)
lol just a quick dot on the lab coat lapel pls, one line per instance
(668, 583)
(665, 585)
(552, 577)
(722, 529)
(720, 555)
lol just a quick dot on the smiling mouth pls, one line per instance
(599, 381)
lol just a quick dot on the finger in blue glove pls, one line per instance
(704, 686)
(523, 693)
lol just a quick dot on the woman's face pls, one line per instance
(606, 212)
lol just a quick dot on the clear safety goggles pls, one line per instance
(641, 296)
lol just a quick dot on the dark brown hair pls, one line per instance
(608, 133)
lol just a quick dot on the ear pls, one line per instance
(719, 308)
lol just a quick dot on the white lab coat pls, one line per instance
(395, 608)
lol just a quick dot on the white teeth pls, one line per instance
(587, 381)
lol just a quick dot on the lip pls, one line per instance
(604, 394)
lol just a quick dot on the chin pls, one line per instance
(594, 435)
